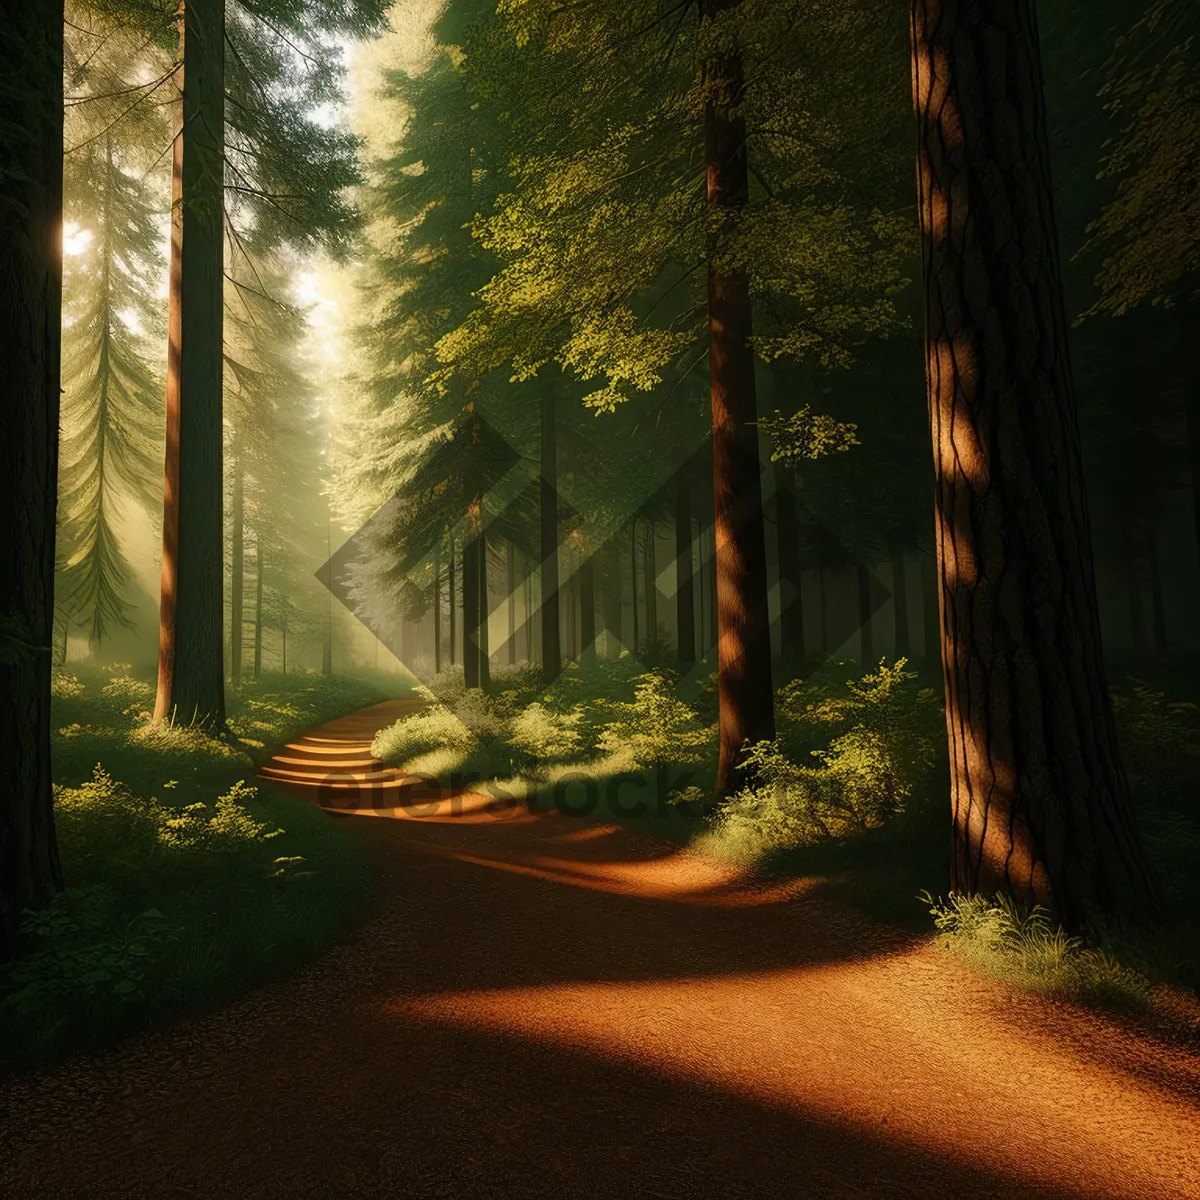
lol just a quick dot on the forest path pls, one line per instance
(541, 1006)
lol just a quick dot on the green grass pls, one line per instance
(184, 883)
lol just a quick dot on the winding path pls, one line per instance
(541, 1006)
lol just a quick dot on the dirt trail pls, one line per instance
(547, 1006)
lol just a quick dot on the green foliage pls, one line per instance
(1025, 949)
(876, 742)
(656, 728)
(806, 435)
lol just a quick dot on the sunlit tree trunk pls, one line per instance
(437, 616)
(470, 588)
(190, 683)
(633, 578)
(743, 622)
(485, 608)
(237, 575)
(551, 649)
(453, 594)
(1041, 809)
(510, 563)
(31, 144)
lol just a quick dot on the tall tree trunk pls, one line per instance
(571, 617)
(866, 633)
(587, 608)
(453, 596)
(743, 620)
(258, 606)
(190, 683)
(1187, 327)
(284, 632)
(650, 573)
(237, 576)
(327, 637)
(31, 142)
(633, 578)
(511, 585)
(1157, 600)
(685, 596)
(791, 596)
(823, 599)
(1041, 808)
(551, 649)
(900, 599)
(611, 598)
(485, 609)
(437, 616)
(470, 622)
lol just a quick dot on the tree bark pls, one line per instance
(1041, 807)
(791, 595)
(470, 622)
(237, 569)
(900, 600)
(551, 649)
(743, 621)
(258, 606)
(685, 592)
(485, 608)
(31, 143)
(190, 683)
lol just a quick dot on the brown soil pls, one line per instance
(547, 1006)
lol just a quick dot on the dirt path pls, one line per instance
(545, 1006)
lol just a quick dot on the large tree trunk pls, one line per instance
(743, 620)
(900, 600)
(587, 608)
(685, 592)
(551, 648)
(1041, 808)
(791, 597)
(258, 606)
(31, 139)
(237, 576)
(190, 683)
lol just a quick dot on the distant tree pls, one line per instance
(31, 212)
(1041, 807)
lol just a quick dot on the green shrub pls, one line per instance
(1024, 949)
(656, 729)
(883, 737)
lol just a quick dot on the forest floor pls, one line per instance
(540, 1005)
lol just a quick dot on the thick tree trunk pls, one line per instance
(551, 648)
(190, 683)
(237, 577)
(31, 140)
(258, 606)
(866, 634)
(1041, 808)
(685, 593)
(791, 596)
(743, 620)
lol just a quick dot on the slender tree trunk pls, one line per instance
(511, 584)
(190, 683)
(633, 578)
(743, 620)
(1041, 808)
(1187, 329)
(1157, 599)
(611, 598)
(31, 142)
(1137, 614)
(685, 598)
(470, 623)
(258, 607)
(650, 572)
(453, 594)
(900, 599)
(551, 650)
(485, 609)
(327, 640)
(437, 616)
(791, 595)
(571, 617)
(587, 608)
(824, 604)
(866, 633)
(284, 631)
(237, 569)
